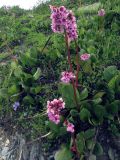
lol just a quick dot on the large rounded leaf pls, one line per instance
(63, 154)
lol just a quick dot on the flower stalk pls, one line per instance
(71, 69)
(74, 146)
(77, 62)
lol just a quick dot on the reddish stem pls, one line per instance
(73, 82)
(68, 49)
(78, 65)
(75, 146)
(71, 70)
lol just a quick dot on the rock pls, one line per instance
(16, 148)
(51, 158)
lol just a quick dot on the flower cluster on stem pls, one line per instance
(53, 109)
(85, 57)
(101, 13)
(63, 20)
(66, 76)
(70, 126)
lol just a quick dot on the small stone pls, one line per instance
(7, 142)
(51, 158)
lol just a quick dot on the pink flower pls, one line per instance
(64, 20)
(53, 109)
(58, 16)
(66, 76)
(101, 12)
(70, 126)
(71, 27)
(54, 118)
(85, 57)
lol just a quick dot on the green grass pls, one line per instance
(93, 8)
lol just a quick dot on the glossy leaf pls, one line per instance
(99, 95)
(110, 72)
(90, 144)
(84, 114)
(63, 153)
(83, 94)
(90, 133)
(74, 113)
(98, 150)
(37, 74)
(68, 95)
(80, 142)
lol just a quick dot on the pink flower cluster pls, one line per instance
(101, 12)
(64, 20)
(85, 57)
(71, 27)
(53, 109)
(66, 76)
(70, 126)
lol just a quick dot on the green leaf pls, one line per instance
(82, 157)
(74, 113)
(33, 52)
(99, 95)
(111, 154)
(89, 133)
(62, 131)
(91, 49)
(28, 100)
(1, 108)
(28, 79)
(93, 58)
(98, 150)
(23, 59)
(13, 65)
(27, 60)
(113, 107)
(37, 74)
(82, 31)
(90, 144)
(55, 128)
(18, 72)
(68, 95)
(80, 142)
(13, 90)
(84, 114)
(87, 67)
(70, 119)
(3, 92)
(99, 111)
(95, 122)
(82, 51)
(110, 72)
(97, 100)
(83, 94)
(63, 154)
(4, 56)
(113, 82)
(35, 90)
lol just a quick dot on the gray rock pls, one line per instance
(16, 148)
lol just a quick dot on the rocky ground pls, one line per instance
(15, 148)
